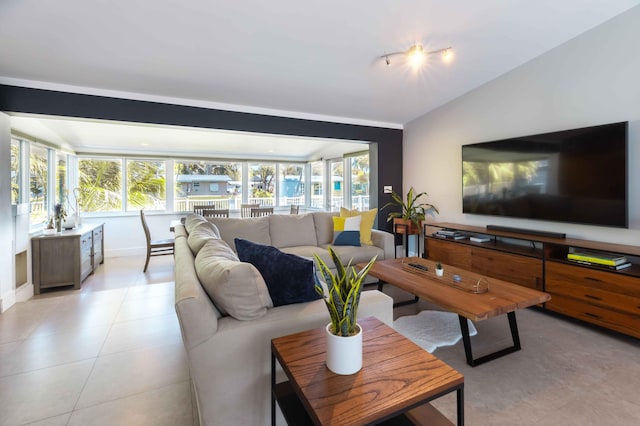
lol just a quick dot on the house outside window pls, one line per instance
(218, 184)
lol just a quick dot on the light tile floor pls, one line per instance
(107, 354)
(111, 354)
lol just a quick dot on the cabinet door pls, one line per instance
(54, 264)
(98, 244)
(514, 268)
(448, 252)
(86, 255)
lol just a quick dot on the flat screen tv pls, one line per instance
(574, 176)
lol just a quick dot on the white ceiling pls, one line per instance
(93, 136)
(286, 57)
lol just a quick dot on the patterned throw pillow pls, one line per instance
(346, 231)
(368, 217)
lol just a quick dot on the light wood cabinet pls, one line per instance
(607, 298)
(66, 258)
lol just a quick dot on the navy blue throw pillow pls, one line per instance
(289, 278)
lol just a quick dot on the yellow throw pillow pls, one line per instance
(366, 224)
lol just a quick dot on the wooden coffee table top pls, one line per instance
(396, 375)
(502, 297)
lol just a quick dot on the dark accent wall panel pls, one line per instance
(40, 101)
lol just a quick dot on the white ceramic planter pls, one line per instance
(439, 272)
(344, 354)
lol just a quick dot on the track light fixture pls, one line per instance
(416, 55)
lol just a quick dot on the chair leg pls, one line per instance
(146, 263)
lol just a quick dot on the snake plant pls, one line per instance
(345, 287)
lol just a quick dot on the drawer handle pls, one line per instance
(593, 279)
(592, 297)
(592, 315)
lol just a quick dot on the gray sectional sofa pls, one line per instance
(227, 318)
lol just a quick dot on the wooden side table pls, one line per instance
(397, 380)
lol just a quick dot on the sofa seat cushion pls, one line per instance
(292, 230)
(236, 288)
(254, 229)
(289, 278)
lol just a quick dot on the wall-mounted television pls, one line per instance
(574, 176)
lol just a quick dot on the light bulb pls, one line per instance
(416, 55)
(447, 55)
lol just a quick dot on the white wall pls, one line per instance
(7, 260)
(590, 80)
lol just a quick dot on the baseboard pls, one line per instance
(548, 234)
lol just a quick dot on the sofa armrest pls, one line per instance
(385, 241)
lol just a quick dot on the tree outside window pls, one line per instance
(100, 184)
(262, 186)
(38, 183)
(146, 185)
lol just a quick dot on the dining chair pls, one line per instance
(245, 209)
(295, 209)
(261, 211)
(198, 208)
(215, 213)
(155, 247)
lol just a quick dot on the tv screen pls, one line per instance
(574, 176)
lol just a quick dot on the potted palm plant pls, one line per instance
(344, 335)
(409, 214)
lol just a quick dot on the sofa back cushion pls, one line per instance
(200, 234)
(192, 220)
(323, 222)
(253, 229)
(292, 230)
(236, 288)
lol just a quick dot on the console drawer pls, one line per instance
(448, 252)
(514, 268)
(562, 275)
(623, 322)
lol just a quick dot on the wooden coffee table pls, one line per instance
(501, 298)
(395, 385)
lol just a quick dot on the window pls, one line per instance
(218, 184)
(337, 184)
(317, 184)
(38, 183)
(100, 184)
(262, 186)
(291, 184)
(360, 182)
(61, 179)
(146, 185)
(16, 160)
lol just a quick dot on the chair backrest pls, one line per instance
(245, 209)
(295, 209)
(145, 227)
(261, 211)
(198, 208)
(215, 213)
